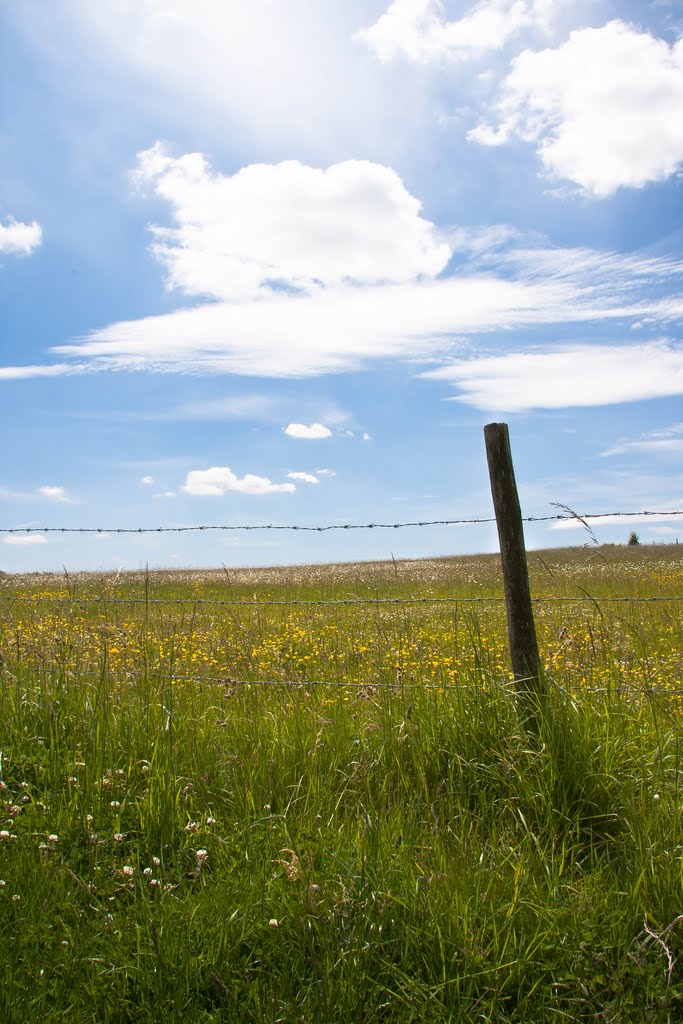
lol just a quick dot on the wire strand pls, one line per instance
(323, 528)
(359, 601)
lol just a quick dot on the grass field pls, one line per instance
(295, 795)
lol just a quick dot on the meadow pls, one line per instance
(305, 795)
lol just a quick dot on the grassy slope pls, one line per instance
(395, 850)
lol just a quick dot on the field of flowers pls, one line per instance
(304, 794)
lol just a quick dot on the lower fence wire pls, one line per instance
(302, 684)
(256, 603)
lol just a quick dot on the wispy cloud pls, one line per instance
(668, 442)
(618, 520)
(24, 540)
(48, 370)
(567, 376)
(346, 328)
(232, 407)
(50, 491)
(220, 479)
(7, 494)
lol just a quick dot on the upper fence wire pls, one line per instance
(566, 515)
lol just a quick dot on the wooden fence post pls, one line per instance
(526, 663)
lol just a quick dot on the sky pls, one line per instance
(279, 262)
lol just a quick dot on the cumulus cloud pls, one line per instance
(312, 432)
(17, 237)
(604, 108)
(20, 539)
(294, 314)
(147, 480)
(416, 30)
(305, 478)
(54, 493)
(287, 225)
(220, 479)
(568, 376)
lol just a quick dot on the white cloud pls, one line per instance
(618, 520)
(24, 539)
(234, 407)
(415, 28)
(54, 493)
(302, 431)
(341, 329)
(325, 472)
(16, 237)
(530, 258)
(666, 442)
(220, 479)
(288, 225)
(672, 446)
(147, 480)
(581, 375)
(366, 437)
(334, 324)
(604, 108)
(305, 478)
(51, 370)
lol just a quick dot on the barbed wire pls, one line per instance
(255, 602)
(254, 526)
(414, 684)
(323, 528)
(339, 684)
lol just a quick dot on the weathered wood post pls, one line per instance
(526, 663)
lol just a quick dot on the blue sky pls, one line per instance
(280, 262)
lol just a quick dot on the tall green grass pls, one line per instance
(181, 842)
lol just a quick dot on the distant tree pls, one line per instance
(633, 538)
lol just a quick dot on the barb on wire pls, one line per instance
(324, 528)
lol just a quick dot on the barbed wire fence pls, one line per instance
(565, 515)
